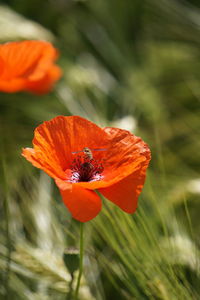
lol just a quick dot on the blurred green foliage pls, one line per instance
(135, 59)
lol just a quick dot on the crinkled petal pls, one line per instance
(125, 155)
(83, 204)
(125, 192)
(55, 141)
(44, 162)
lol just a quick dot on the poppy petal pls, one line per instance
(45, 83)
(56, 140)
(83, 204)
(46, 163)
(118, 172)
(1, 65)
(125, 192)
(28, 65)
(12, 85)
(125, 155)
(22, 58)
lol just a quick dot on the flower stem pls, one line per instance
(70, 294)
(80, 262)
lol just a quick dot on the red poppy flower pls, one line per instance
(82, 158)
(28, 66)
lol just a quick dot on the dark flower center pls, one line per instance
(86, 169)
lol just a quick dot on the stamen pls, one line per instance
(85, 169)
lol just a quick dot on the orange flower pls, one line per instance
(28, 66)
(114, 162)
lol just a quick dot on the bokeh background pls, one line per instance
(131, 64)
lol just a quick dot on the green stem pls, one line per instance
(80, 262)
(70, 294)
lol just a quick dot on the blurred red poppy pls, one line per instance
(28, 66)
(82, 158)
